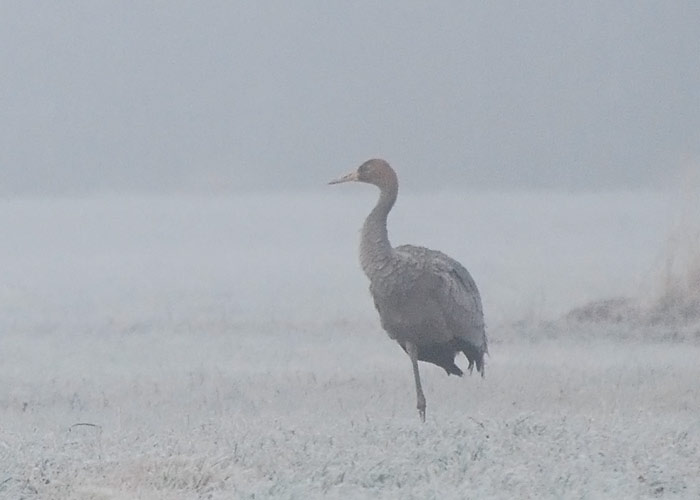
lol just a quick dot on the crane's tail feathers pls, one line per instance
(475, 357)
(442, 355)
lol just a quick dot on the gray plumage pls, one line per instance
(427, 301)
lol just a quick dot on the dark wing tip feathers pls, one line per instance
(475, 357)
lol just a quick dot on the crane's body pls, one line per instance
(427, 301)
(439, 311)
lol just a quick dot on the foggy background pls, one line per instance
(237, 96)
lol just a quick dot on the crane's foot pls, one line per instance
(421, 414)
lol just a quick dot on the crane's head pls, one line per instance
(375, 171)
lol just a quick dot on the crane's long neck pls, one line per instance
(375, 250)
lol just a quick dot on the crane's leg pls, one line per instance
(412, 350)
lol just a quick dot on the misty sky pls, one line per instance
(231, 96)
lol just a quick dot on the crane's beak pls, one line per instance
(352, 176)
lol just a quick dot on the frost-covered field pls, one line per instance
(167, 348)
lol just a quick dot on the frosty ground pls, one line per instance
(167, 348)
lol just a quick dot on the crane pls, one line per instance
(427, 301)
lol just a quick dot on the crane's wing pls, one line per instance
(458, 298)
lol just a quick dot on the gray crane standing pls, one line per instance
(427, 301)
